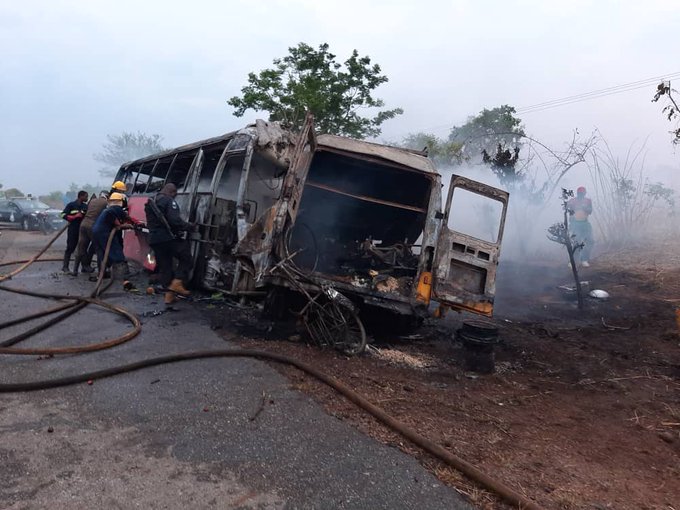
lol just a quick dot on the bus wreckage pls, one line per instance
(354, 227)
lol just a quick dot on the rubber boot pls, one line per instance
(86, 265)
(64, 268)
(177, 286)
(76, 265)
(169, 298)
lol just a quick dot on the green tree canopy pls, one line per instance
(442, 152)
(126, 147)
(503, 164)
(312, 79)
(488, 129)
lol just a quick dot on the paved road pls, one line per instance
(178, 436)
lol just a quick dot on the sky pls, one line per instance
(73, 72)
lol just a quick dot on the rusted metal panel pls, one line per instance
(257, 246)
(415, 160)
(297, 175)
(465, 266)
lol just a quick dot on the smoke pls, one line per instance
(638, 205)
(526, 223)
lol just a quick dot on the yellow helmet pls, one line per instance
(120, 186)
(116, 196)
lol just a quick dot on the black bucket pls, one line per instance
(479, 339)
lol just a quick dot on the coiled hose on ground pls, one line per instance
(79, 302)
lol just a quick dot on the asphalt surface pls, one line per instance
(218, 433)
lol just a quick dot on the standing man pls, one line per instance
(110, 218)
(165, 228)
(73, 213)
(580, 208)
(86, 245)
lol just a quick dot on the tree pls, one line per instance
(91, 189)
(487, 130)
(53, 199)
(13, 192)
(312, 80)
(559, 233)
(542, 168)
(442, 152)
(495, 138)
(126, 147)
(504, 165)
(626, 198)
(671, 110)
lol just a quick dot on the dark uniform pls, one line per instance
(101, 230)
(73, 213)
(166, 242)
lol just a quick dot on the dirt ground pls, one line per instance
(583, 410)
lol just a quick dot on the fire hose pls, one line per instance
(79, 302)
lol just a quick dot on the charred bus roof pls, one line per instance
(182, 148)
(406, 158)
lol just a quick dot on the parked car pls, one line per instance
(30, 214)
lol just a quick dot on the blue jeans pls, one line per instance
(116, 251)
(582, 232)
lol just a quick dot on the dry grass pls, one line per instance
(397, 357)
(480, 498)
(662, 254)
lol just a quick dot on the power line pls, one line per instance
(646, 80)
(588, 98)
(617, 89)
(585, 96)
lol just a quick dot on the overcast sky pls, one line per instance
(72, 72)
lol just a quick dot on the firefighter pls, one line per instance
(113, 216)
(73, 213)
(166, 227)
(580, 207)
(86, 245)
(120, 187)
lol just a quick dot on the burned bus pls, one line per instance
(326, 215)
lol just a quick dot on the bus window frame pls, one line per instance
(217, 178)
(218, 168)
(133, 170)
(165, 177)
(190, 171)
(148, 178)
